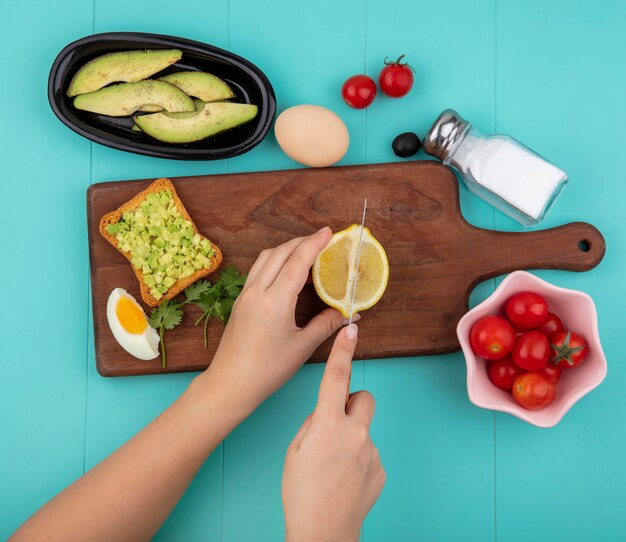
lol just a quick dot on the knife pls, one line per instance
(354, 280)
(356, 263)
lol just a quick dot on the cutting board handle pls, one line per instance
(576, 246)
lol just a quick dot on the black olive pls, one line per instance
(406, 144)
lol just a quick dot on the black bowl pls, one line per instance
(248, 82)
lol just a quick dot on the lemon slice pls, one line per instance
(334, 271)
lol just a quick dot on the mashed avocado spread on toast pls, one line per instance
(162, 243)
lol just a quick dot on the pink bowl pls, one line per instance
(577, 311)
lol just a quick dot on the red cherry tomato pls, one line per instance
(551, 325)
(503, 372)
(492, 337)
(359, 91)
(533, 391)
(531, 351)
(568, 350)
(396, 78)
(551, 373)
(526, 310)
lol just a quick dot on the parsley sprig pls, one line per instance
(215, 300)
(165, 317)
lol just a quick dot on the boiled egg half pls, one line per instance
(129, 325)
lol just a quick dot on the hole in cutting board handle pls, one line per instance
(584, 245)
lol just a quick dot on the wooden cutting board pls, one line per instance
(435, 256)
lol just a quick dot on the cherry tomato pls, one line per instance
(396, 78)
(503, 372)
(551, 373)
(492, 337)
(533, 391)
(551, 325)
(359, 91)
(531, 351)
(568, 350)
(526, 310)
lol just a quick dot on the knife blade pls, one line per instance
(356, 263)
(354, 281)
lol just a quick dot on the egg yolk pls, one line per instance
(130, 316)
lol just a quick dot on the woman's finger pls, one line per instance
(258, 265)
(276, 259)
(295, 270)
(336, 378)
(361, 406)
(304, 429)
(323, 326)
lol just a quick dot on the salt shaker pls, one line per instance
(496, 168)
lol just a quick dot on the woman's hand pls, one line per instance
(139, 484)
(333, 475)
(262, 346)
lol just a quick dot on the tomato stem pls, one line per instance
(398, 62)
(564, 352)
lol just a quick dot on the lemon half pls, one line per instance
(334, 271)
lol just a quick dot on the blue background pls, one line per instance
(550, 73)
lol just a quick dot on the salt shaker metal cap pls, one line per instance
(446, 134)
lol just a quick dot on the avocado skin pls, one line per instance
(203, 85)
(216, 117)
(126, 66)
(126, 98)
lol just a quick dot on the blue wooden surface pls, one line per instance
(550, 73)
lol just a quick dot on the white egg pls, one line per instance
(129, 325)
(312, 135)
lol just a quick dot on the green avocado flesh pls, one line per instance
(128, 66)
(199, 106)
(188, 127)
(150, 108)
(161, 242)
(126, 98)
(205, 86)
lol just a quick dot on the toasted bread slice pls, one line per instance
(181, 284)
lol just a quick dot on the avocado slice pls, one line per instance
(203, 85)
(126, 98)
(127, 66)
(188, 127)
(198, 104)
(156, 108)
(150, 108)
